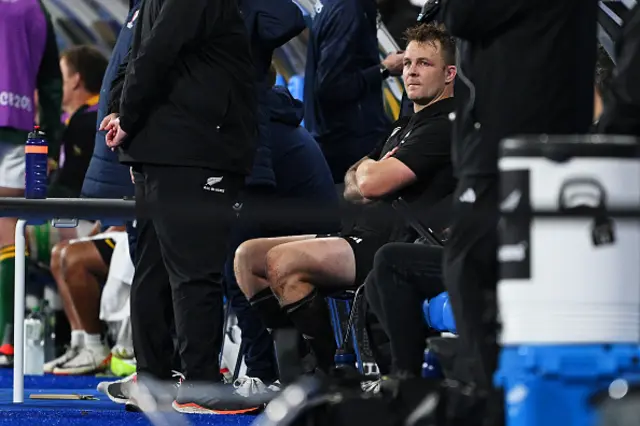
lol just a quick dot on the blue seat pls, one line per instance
(438, 313)
(439, 316)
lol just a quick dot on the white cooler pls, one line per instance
(568, 280)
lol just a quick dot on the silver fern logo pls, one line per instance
(211, 184)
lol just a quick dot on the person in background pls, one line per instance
(397, 16)
(344, 109)
(80, 269)
(304, 179)
(106, 177)
(82, 68)
(270, 24)
(29, 58)
(403, 276)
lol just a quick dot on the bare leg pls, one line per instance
(7, 270)
(8, 224)
(294, 269)
(82, 266)
(63, 288)
(250, 262)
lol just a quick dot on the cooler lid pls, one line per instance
(563, 148)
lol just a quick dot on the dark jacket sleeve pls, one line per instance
(175, 26)
(337, 77)
(49, 84)
(117, 84)
(477, 19)
(278, 21)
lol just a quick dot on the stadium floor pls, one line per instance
(100, 412)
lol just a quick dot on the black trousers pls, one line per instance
(471, 275)
(403, 276)
(184, 219)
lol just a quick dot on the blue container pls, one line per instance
(438, 313)
(431, 367)
(344, 359)
(552, 385)
(36, 150)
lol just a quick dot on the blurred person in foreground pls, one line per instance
(505, 48)
(186, 123)
(621, 115)
(29, 58)
(604, 74)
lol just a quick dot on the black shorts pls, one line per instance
(105, 247)
(364, 248)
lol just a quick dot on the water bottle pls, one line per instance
(34, 344)
(431, 366)
(344, 359)
(36, 150)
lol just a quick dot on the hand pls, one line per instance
(115, 134)
(133, 179)
(52, 165)
(394, 62)
(390, 153)
(104, 125)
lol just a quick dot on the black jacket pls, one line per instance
(527, 67)
(188, 96)
(621, 113)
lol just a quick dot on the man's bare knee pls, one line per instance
(249, 257)
(82, 256)
(56, 257)
(281, 263)
(249, 263)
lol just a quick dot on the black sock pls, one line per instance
(268, 307)
(311, 317)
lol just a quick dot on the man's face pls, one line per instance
(425, 73)
(70, 81)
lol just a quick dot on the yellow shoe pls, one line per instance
(122, 367)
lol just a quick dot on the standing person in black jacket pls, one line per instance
(529, 69)
(621, 115)
(187, 125)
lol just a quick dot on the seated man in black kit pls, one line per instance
(279, 276)
(403, 276)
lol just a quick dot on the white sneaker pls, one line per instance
(87, 361)
(251, 386)
(118, 391)
(71, 353)
(372, 386)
